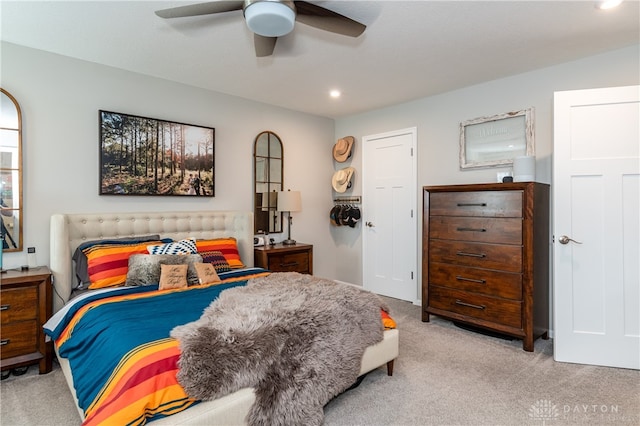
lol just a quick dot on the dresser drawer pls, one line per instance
(489, 256)
(492, 283)
(500, 311)
(19, 338)
(480, 229)
(289, 262)
(476, 203)
(18, 304)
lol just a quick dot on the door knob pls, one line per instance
(370, 225)
(565, 240)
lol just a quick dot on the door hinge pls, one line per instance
(411, 213)
(412, 152)
(411, 274)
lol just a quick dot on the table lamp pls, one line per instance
(289, 201)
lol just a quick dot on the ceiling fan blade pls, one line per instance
(200, 9)
(328, 20)
(264, 45)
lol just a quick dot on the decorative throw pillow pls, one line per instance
(107, 265)
(186, 246)
(80, 258)
(206, 273)
(227, 246)
(173, 276)
(144, 269)
(215, 258)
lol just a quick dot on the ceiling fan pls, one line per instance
(270, 19)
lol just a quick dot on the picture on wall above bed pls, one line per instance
(147, 156)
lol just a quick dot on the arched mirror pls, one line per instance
(268, 160)
(11, 211)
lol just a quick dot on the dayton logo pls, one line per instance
(544, 410)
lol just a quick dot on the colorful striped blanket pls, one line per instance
(117, 342)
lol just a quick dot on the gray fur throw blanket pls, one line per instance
(298, 340)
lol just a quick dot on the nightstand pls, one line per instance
(25, 305)
(280, 258)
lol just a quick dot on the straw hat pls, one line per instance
(342, 149)
(342, 179)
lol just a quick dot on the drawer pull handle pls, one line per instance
(4, 342)
(471, 229)
(473, 280)
(470, 305)
(462, 253)
(5, 307)
(472, 204)
(286, 265)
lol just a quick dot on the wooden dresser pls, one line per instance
(485, 258)
(26, 304)
(280, 258)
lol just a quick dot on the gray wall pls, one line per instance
(60, 98)
(437, 119)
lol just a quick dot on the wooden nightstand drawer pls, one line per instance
(19, 338)
(294, 262)
(480, 229)
(18, 304)
(476, 203)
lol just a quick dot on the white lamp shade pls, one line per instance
(289, 201)
(270, 19)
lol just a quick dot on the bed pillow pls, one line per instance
(215, 258)
(144, 269)
(80, 258)
(107, 264)
(227, 246)
(173, 276)
(186, 246)
(206, 273)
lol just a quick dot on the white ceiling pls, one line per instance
(410, 49)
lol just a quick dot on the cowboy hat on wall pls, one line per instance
(341, 180)
(342, 149)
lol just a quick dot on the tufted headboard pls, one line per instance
(68, 231)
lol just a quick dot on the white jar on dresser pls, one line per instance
(486, 257)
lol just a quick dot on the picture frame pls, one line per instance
(148, 156)
(496, 140)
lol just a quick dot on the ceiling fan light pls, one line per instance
(269, 18)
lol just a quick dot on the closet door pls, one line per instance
(596, 181)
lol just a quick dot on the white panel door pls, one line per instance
(596, 185)
(389, 217)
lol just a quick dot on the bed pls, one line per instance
(68, 231)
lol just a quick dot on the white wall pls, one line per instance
(437, 119)
(60, 98)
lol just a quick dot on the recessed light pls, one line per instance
(335, 93)
(608, 4)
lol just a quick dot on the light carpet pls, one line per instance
(443, 376)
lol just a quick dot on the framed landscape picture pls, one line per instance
(147, 156)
